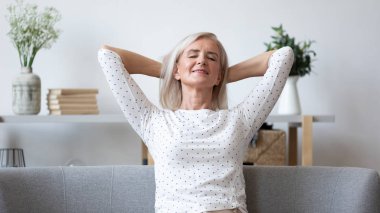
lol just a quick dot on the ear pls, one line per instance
(176, 74)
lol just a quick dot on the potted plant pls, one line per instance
(30, 31)
(303, 57)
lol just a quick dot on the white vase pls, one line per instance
(26, 93)
(289, 103)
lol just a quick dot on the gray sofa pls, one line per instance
(131, 189)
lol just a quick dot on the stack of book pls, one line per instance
(71, 101)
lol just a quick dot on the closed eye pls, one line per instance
(212, 56)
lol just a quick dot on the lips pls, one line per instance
(201, 71)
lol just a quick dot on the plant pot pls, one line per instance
(26, 93)
(289, 103)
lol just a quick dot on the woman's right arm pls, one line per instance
(131, 99)
(137, 64)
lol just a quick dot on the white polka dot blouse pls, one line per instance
(198, 154)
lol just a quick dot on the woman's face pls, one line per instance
(199, 64)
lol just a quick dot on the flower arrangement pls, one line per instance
(302, 52)
(30, 31)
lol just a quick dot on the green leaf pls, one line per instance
(303, 55)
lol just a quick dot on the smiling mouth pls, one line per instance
(200, 71)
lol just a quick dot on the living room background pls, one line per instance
(344, 81)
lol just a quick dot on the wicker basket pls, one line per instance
(269, 149)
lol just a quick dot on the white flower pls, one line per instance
(30, 31)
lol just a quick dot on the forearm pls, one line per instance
(252, 67)
(137, 64)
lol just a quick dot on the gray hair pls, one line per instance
(170, 88)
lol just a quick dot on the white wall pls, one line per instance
(344, 82)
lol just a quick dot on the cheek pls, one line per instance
(216, 70)
(185, 65)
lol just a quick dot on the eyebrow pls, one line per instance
(197, 51)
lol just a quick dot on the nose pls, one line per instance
(201, 61)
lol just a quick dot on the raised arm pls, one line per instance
(132, 101)
(252, 67)
(261, 100)
(137, 64)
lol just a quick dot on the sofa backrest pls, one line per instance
(77, 189)
(312, 189)
(131, 189)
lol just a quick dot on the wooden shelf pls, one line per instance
(112, 118)
(118, 118)
(294, 121)
(298, 118)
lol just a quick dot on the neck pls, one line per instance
(195, 99)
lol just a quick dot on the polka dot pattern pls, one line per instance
(198, 154)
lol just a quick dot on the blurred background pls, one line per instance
(344, 81)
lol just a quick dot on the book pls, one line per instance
(73, 96)
(71, 91)
(72, 107)
(74, 112)
(71, 101)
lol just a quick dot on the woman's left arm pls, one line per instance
(255, 66)
(260, 101)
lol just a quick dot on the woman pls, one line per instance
(197, 143)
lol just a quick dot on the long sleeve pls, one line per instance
(132, 101)
(261, 100)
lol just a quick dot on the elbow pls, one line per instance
(288, 50)
(104, 46)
